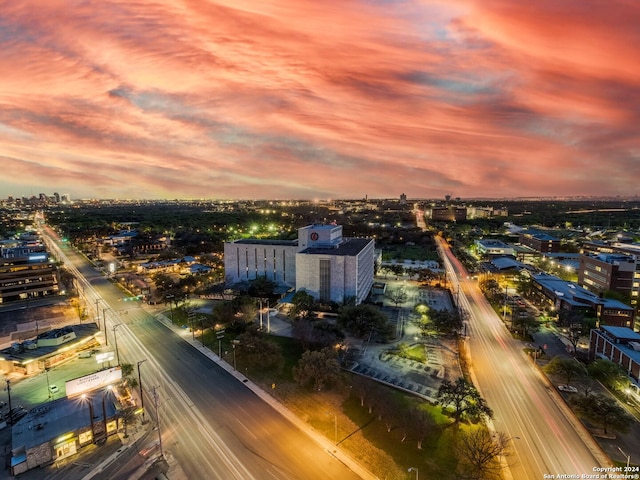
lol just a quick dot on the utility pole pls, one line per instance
(9, 395)
(155, 403)
(140, 385)
(115, 339)
(104, 317)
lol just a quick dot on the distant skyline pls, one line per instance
(302, 99)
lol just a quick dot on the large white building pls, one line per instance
(328, 266)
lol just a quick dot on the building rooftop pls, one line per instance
(65, 415)
(257, 241)
(29, 350)
(349, 247)
(622, 333)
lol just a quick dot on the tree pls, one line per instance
(257, 351)
(445, 321)
(397, 295)
(422, 423)
(490, 287)
(224, 312)
(480, 451)
(302, 305)
(317, 368)
(566, 367)
(608, 373)
(525, 323)
(604, 411)
(261, 287)
(363, 320)
(464, 398)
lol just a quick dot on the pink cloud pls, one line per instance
(305, 99)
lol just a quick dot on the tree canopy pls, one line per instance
(465, 400)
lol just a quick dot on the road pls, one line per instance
(212, 425)
(545, 437)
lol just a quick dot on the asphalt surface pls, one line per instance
(546, 437)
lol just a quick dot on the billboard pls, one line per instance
(93, 381)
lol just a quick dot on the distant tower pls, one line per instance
(403, 199)
(56, 196)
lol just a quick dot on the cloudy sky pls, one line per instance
(319, 99)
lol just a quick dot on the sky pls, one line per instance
(308, 99)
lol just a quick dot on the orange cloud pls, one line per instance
(288, 98)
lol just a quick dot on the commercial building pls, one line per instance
(26, 272)
(321, 261)
(621, 346)
(490, 247)
(561, 295)
(59, 429)
(49, 349)
(594, 248)
(608, 271)
(446, 214)
(539, 241)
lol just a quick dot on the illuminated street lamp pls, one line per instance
(628, 458)
(413, 469)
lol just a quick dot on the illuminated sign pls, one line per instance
(105, 357)
(93, 381)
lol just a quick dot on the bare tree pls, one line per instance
(480, 451)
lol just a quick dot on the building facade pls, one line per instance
(608, 271)
(621, 346)
(540, 241)
(26, 272)
(324, 263)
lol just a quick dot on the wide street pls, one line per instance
(212, 424)
(545, 436)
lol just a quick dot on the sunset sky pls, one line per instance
(319, 99)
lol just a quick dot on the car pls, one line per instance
(567, 388)
(54, 388)
(16, 413)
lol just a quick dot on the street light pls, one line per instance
(413, 469)
(115, 339)
(170, 297)
(140, 385)
(628, 458)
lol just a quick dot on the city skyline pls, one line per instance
(300, 99)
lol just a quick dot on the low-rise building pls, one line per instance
(619, 345)
(59, 429)
(540, 241)
(561, 295)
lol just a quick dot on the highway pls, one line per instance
(546, 438)
(211, 424)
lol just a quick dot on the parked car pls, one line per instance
(16, 413)
(54, 388)
(567, 388)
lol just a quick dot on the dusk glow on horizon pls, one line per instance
(303, 99)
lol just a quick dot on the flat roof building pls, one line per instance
(324, 263)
